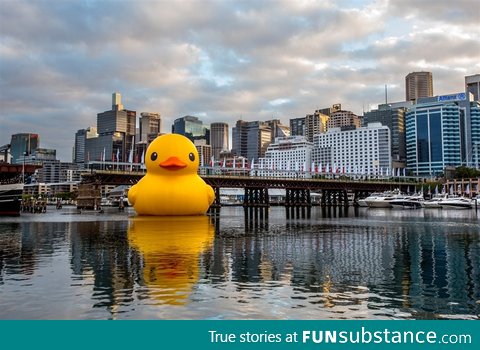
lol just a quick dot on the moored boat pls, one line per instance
(456, 203)
(408, 202)
(10, 199)
(362, 203)
(383, 200)
(435, 201)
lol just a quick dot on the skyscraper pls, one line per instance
(329, 110)
(315, 124)
(342, 118)
(475, 128)
(435, 134)
(393, 116)
(219, 139)
(239, 138)
(472, 85)
(297, 126)
(79, 155)
(251, 139)
(278, 129)
(150, 126)
(417, 85)
(191, 127)
(23, 144)
(259, 136)
(116, 133)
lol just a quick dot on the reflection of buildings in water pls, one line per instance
(463, 270)
(433, 267)
(170, 248)
(100, 254)
(337, 253)
(20, 243)
(10, 247)
(429, 266)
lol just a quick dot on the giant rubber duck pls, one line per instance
(171, 247)
(171, 185)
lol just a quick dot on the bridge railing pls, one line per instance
(304, 175)
(118, 168)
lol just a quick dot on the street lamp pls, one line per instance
(23, 167)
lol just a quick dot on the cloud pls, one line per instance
(221, 60)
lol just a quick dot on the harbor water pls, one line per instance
(358, 263)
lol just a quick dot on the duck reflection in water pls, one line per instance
(171, 248)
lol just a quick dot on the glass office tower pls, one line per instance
(434, 134)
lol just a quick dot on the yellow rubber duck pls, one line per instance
(171, 248)
(171, 185)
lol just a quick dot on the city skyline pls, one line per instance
(220, 61)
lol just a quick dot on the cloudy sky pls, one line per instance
(60, 60)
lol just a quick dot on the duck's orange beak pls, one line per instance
(173, 163)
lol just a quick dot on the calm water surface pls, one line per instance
(363, 264)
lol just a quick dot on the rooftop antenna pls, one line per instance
(386, 95)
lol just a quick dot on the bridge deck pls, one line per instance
(242, 181)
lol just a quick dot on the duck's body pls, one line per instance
(171, 185)
(171, 195)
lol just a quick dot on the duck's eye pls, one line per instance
(191, 156)
(154, 156)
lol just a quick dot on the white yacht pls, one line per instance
(362, 203)
(383, 200)
(408, 202)
(456, 203)
(435, 201)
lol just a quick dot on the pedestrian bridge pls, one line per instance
(335, 189)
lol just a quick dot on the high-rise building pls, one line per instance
(259, 136)
(297, 126)
(315, 123)
(475, 128)
(117, 102)
(204, 152)
(343, 118)
(240, 138)
(116, 133)
(393, 116)
(251, 139)
(23, 144)
(472, 85)
(277, 129)
(191, 127)
(364, 150)
(79, 155)
(329, 110)
(150, 126)
(219, 138)
(417, 85)
(436, 134)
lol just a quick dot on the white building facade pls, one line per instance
(364, 151)
(287, 157)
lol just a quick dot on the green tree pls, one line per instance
(463, 172)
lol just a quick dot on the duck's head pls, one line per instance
(172, 154)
